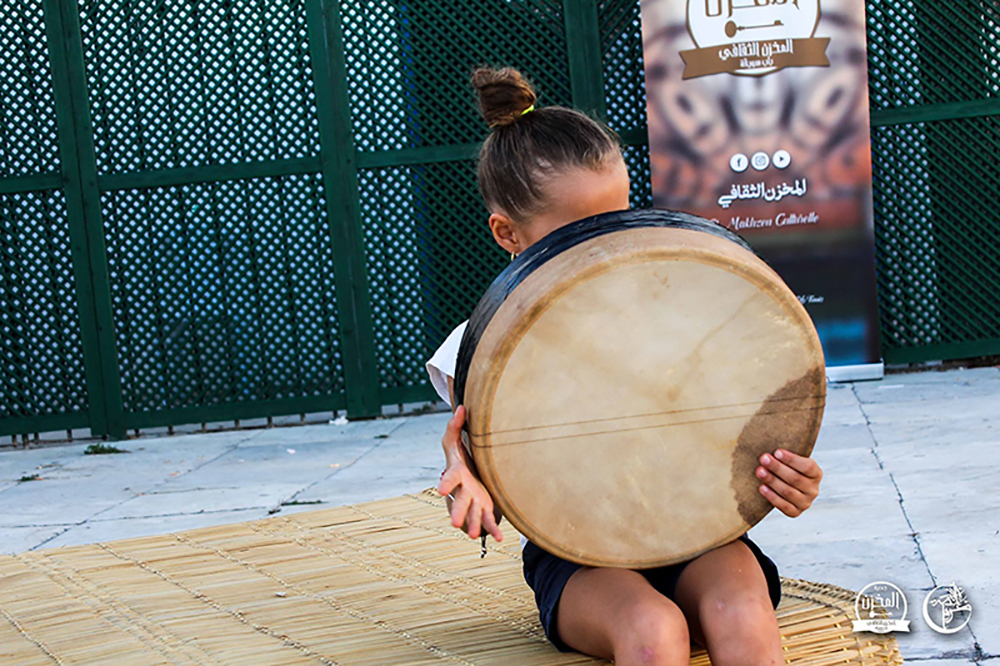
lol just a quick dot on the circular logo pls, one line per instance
(760, 161)
(739, 163)
(782, 159)
(725, 22)
(880, 608)
(946, 609)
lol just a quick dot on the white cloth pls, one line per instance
(441, 366)
(443, 362)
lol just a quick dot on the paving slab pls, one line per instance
(840, 394)
(292, 462)
(169, 502)
(157, 457)
(416, 444)
(948, 376)
(844, 436)
(844, 414)
(96, 531)
(73, 487)
(975, 410)
(17, 463)
(972, 508)
(974, 444)
(972, 561)
(62, 501)
(19, 539)
(945, 433)
(327, 432)
(407, 461)
(952, 385)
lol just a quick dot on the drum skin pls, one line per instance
(619, 397)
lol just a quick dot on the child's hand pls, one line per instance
(471, 507)
(791, 481)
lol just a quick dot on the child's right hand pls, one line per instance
(471, 507)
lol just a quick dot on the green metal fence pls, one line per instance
(221, 210)
(934, 78)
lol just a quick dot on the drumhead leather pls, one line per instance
(620, 395)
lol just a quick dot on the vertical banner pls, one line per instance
(758, 119)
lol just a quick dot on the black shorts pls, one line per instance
(547, 575)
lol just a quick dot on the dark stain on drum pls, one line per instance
(778, 423)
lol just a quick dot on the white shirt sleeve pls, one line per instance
(442, 363)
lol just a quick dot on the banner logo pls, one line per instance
(753, 37)
(883, 607)
(951, 605)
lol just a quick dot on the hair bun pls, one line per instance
(504, 94)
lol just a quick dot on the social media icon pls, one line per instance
(760, 161)
(739, 163)
(782, 159)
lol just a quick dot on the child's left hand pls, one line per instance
(791, 481)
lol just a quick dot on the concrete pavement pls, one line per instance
(911, 468)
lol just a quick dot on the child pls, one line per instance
(540, 169)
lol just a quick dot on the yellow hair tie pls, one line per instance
(530, 108)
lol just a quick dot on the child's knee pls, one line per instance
(744, 629)
(739, 608)
(655, 633)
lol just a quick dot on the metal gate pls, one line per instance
(934, 78)
(212, 211)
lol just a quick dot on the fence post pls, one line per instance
(583, 43)
(83, 208)
(343, 208)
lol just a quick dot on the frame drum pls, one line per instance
(622, 378)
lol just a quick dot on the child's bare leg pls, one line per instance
(616, 614)
(724, 596)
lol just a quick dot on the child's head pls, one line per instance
(545, 168)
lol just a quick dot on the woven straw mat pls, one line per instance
(387, 582)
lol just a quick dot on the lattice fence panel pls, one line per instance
(377, 64)
(41, 353)
(426, 271)
(932, 53)
(936, 183)
(625, 87)
(224, 293)
(965, 205)
(640, 177)
(429, 251)
(621, 56)
(907, 256)
(894, 78)
(180, 84)
(28, 141)
(409, 64)
(394, 242)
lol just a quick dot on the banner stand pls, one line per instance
(758, 120)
